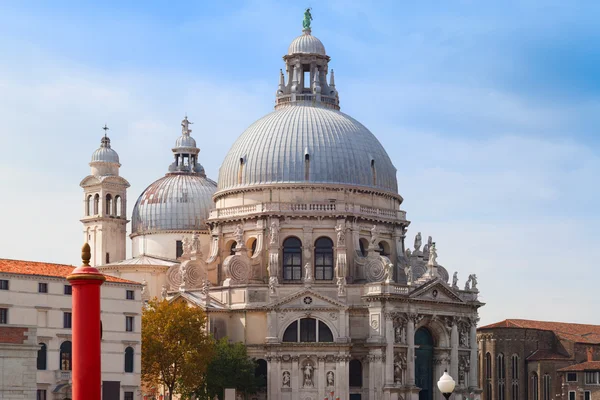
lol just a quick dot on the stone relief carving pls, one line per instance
(286, 379)
(330, 379)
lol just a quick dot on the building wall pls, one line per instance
(18, 352)
(162, 245)
(46, 312)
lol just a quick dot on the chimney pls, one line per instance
(590, 353)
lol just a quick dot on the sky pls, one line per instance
(488, 110)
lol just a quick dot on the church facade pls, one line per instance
(298, 250)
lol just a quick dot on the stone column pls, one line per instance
(473, 358)
(493, 356)
(271, 382)
(454, 351)
(389, 352)
(295, 377)
(410, 355)
(341, 378)
(322, 379)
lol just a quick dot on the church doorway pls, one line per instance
(424, 363)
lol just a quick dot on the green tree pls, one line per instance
(231, 368)
(176, 349)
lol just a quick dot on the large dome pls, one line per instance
(176, 202)
(307, 145)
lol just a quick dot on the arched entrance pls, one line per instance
(424, 363)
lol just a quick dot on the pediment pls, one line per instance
(306, 298)
(436, 290)
(89, 180)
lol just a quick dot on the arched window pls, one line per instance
(488, 376)
(109, 204)
(547, 388)
(364, 245)
(292, 259)
(515, 391)
(232, 248)
(501, 375)
(311, 330)
(374, 172)
(96, 203)
(355, 373)
(260, 372)
(534, 387)
(306, 166)
(384, 248)
(515, 367)
(241, 171)
(118, 207)
(129, 359)
(65, 356)
(324, 259)
(89, 205)
(41, 357)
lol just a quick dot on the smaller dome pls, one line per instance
(308, 44)
(185, 141)
(105, 153)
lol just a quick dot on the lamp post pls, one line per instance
(446, 385)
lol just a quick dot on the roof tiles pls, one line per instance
(579, 333)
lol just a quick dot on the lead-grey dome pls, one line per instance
(105, 153)
(176, 202)
(308, 44)
(298, 142)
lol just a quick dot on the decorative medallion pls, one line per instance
(434, 293)
(307, 300)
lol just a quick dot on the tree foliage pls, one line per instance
(231, 368)
(176, 349)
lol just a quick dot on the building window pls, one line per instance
(109, 208)
(232, 249)
(65, 356)
(363, 245)
(129, 324)
(311, 330)
(3, 315)
(41, 394)
(592, 378)
(572, 377)
(68, 290)
(128, 396)
(67, 320)
(178, 248)
(355, 373)
(292, 259)
(130, 295)
(515, 366)
(571, 395)
(107, 260)
(41, 357)
(129, 359)
(324, 259)
(534, 387)
(42, 287)
(3, 284)
(515, 391)
(546, 392)
(500, 372)
(488, 375)
(587, 395)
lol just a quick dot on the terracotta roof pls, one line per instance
(45, 269)
(584, 366)
(539, 355)
(579, 333)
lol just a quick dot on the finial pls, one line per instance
(106, 128)
(332, 84)
(86, 255)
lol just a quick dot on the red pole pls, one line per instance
(86, 282)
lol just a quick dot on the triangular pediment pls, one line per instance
(435, 290)
(305, 298)
(89, 180)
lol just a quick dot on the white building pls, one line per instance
(299, 250)
(37, 295)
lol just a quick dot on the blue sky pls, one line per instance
(489, 111)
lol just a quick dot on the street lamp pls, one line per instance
(446, 385)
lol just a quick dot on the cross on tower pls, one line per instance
(105, 129)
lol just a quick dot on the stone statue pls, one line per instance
(274, 233)
(341, 235)
(239, 235)
(185, 126)
(308, 375)
(330, 379)
(163, 292)
(408, 271)
(468, 284)
(205, 287)
(307, 19)
(408, 253)
(473, 279)
(308, 273)
(388, 272)
(184, 273)
(144, 286)
(455, 280)
(399, 334)
(286, 379)
(341, 284)
(418, 242)
(273, 284)
(428, 245)
(397, 373)
(374, 236)
(462, 338)
(187, 245)
(432, 255)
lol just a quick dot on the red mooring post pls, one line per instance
(86, 282)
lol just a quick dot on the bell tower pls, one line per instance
(105, 206)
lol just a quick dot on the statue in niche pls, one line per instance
(397, 373)
(455, 280)
(433, 255)
(239, 235)
(308, 375)
(274, 233)
(163, 292)
(330, 379)
(273, 284)
(308, 275)
(463, 340)
(473, 279)
(418, 242)
(374, 236)
(341, 235)
(341, 284)
(399, 334)
(408, 271)
(286, 381)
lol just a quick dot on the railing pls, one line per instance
(381, 288)
(328, 101)
(63, 376)
(317, 208)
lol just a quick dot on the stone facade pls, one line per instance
(18, 353)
